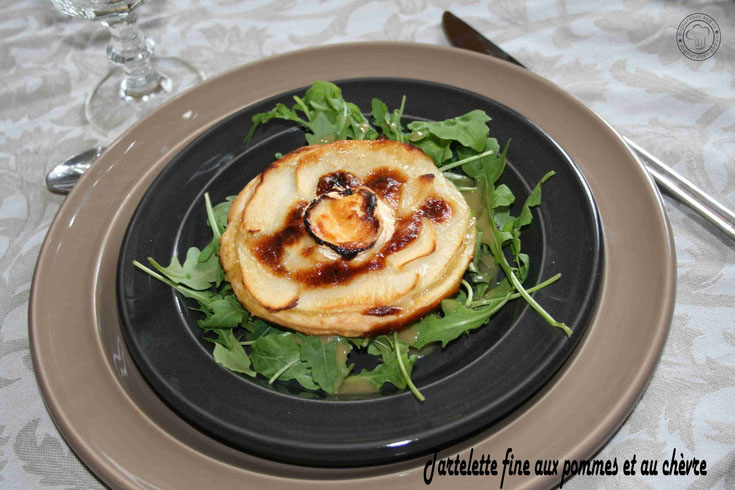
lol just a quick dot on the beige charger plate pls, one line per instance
(126, 435)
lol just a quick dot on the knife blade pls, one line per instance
(462, 35)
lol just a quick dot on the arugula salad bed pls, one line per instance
(462, 148)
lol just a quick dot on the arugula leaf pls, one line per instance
(457, 320)
(382, 346)
(500, 238)
(234, 359)
(525, 217)
(380, 116)
(278, 112)
(326, 98)
(300, 372)
(259, 328)
(324, 113)
(194, 274)
(324, 131)
(503, 196)
(230, 354)
(221, 211)
(390, 124)
(271, 352)
(389, 370)
(469, 129)
(321, 356)
(359, 342)
(223, 313)
(219, 215)
(278, 356)
(398, 345)
(488, 168)
(437, 148)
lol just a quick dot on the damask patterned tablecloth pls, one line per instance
(619, 57)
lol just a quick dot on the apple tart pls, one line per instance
(349, 238)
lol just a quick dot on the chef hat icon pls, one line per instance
(699, 35)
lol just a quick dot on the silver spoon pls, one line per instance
(63, 176)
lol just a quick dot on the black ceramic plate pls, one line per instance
(469, 385)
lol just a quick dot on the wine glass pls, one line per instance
(139, 81)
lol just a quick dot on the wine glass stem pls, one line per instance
(130, 49)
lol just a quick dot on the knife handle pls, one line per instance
(464, 36)
(686, 192)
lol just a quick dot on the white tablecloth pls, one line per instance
(619, 57)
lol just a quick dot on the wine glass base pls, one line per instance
(111, 111)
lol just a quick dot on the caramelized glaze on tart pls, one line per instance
(349, 238)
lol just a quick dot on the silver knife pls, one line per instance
(462, 35)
